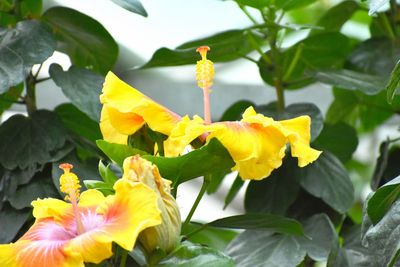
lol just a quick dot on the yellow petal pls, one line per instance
(51, 207)
(110, 134)
(183, 134)
(91, 197)
(125, 99)
(7, 255)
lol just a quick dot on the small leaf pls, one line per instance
(107, 174)
(225, 46)
(103, 187)
(209, 159)
(11, 222)
(84, 39)
(118, 152)
(393, 83)
(327, 179)
(132, 5)
(188, 254)
(81, 86)
(34, 140)
(273, 223)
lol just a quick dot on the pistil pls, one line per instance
(205, 77)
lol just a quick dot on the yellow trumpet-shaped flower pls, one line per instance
(126, 110)
(166, 235)
(256, 143)
(56, 240)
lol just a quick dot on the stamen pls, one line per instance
(205, 78)
(69, 184)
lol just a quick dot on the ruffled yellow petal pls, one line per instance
(110, 133)
(90, 198)
(51, 207)
(132, 106)
(183, 134)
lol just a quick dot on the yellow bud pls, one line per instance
(166, 235)
(204, 69)
(69, 183)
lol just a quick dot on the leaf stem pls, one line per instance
(30, 97)
(255, 45)
(206, 182)
(243, 8)
(124, 256)
(294, 62)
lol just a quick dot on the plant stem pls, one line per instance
(294, 62)
(243, 8)
(206, 182)
(255, 45)
(386, 25)
(393, 15)
(124, 256)
(30, 97)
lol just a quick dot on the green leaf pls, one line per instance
(259, 4)
(213, 237)
(9, 97)
(11, 222)
(274, 194)
(225, 46)
(78, 122)
(352, 80)
(393, 83)
(39, 187)
(81, 86)
(193, 255)
(271, 222)
(233, 191)
(328, 179)
(386, 167)
(31, 8)
(346, 140)
(107, 174)
(235, 111)
(118, 152)
(16, 46)
(381, 201)
(293, 4)
(374, 5)
(293, 111)
(84, 39)
(25, 142)
(132, 5)
(336, 16)
(105, 188)
(209, 159)
(264, 248)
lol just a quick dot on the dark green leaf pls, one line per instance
(386, 167)
(327, 179)
(382, 200)
(292, 4)
(132, 5)
(118, 152)
(374, 5)
(216, 180)
(233, 191)
(213, 158)
(16, 46)
(11, 222)
(103, 187)
(235, 111)
(9, 97)
(296, 110)
(194, 255)
(216, 238)
(352, 80)
(274, 194)
(31, 8)
(225, 46)
(27, 141)
(393, 83)
(78, 122)
(264, 248)
(84, 39)
(107, 174)
(336, 16)
(271, 222)
(81, 86)
(37, 188)
(346, 140)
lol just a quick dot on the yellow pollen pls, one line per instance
(204, 69)
(69, 183)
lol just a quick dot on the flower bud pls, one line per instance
(166, 235)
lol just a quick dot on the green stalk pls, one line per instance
(30, 97)
(255, 45)
(206, 182)
(243, 8)
(124, 256)
(386, 25)
(294, 62)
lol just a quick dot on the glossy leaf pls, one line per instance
(264, 248)
(328, 179)
(107, 174)
(11, 222)
(393, 83)
(351, 80)
(34, 140)
(105, 188)
(188, 254)
(84, 39)
(346, 140)
(118, 152)
(16, 46)
(81, 86)
(274, 194)
(270, 222)
(78, 122)
(213, 157)
(386, 168)
(225, 46)
(132, 5)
